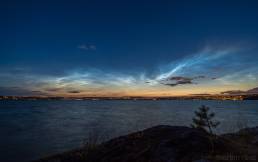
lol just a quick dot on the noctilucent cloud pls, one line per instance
(127, 48)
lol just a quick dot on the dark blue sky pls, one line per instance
(141, 40)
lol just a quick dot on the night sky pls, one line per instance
(128, 48)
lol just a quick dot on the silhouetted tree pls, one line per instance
(203, 119)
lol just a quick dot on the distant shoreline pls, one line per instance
(194, 97)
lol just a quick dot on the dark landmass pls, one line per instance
(190, 97)
(168, 144)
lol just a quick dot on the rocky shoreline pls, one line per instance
(168, 144)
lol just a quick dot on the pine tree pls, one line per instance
(203, 119)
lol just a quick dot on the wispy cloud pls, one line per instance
(179, 80)
(199, 62)
(53, 89)
(219, 67)
(239, 92)
(18, 91)
(87, 47)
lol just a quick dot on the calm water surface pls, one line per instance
(32, 129)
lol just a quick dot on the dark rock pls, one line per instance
(163, 144)
(246, 135)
